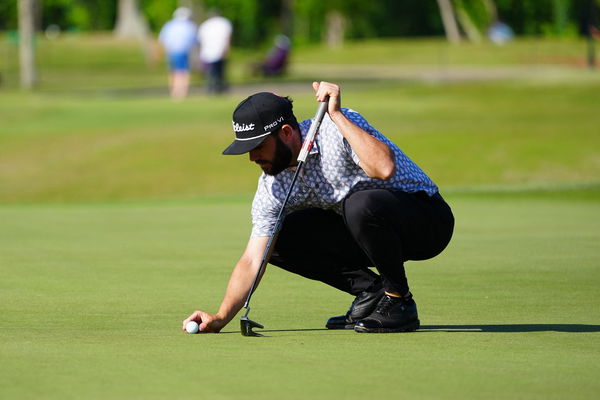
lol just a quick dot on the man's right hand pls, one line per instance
(237, 290)
(209, 323)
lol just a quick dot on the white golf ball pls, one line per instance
(191, 327)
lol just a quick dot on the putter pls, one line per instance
(247, 324)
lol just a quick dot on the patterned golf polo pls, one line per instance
(331, 172)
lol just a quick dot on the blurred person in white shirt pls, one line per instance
(214, 36)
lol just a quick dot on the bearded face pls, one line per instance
(280, 160)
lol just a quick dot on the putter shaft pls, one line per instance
(247, 324)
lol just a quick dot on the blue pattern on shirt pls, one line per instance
(331, 173)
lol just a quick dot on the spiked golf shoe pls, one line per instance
(362, 306)
(392, 314)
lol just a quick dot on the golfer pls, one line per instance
(359, 204)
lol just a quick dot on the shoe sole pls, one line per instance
(410, 327)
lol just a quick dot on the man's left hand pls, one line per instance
(326, 89)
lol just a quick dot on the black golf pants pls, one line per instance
(378, 228)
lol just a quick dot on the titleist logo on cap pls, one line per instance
(256, 117)
(242, 127)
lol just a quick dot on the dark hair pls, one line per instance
(291, 119)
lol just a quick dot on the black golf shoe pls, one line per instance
(362, 306)
(392, 314)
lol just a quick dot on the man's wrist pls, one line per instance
(221, 318)
(218, 322)
(338, 117)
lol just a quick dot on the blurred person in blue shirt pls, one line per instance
(178, 37)
(500, 33)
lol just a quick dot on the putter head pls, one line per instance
(247, 325)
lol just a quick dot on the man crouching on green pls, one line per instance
(362, 202)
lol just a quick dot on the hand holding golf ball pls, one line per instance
(192, 327)
(204, 323)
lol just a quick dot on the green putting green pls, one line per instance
(92, 297)
(119, 217)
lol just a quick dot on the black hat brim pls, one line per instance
(243, 146)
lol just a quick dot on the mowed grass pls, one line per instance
(92, 297)
(99, 62)
(70, 148)
(119, 217)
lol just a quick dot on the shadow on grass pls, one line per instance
(282, 330)
(499, 328)
(512, 328)
(295, 330)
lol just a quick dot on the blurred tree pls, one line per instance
(589, 26)
(309, 21)
(79, 15)
(131, 23)
(449, 20)
(364, 19)
(467, 23)
(157, 12)
(8, 15)
(525, 16)
(407, 18)
(309, 17)
(335, 30)
(26, 45)
(560, 12)
(491, 11)
(475, 17)
(287, 17)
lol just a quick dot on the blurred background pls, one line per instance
(483, 94)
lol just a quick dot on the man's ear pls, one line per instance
(286, 133)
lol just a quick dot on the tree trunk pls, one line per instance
(449, 21)
(131, 24)
(287, 17)
(491, 9)
(590, 25)
(26, 43)
(130, 21)
(469, 27)
(336, 26)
